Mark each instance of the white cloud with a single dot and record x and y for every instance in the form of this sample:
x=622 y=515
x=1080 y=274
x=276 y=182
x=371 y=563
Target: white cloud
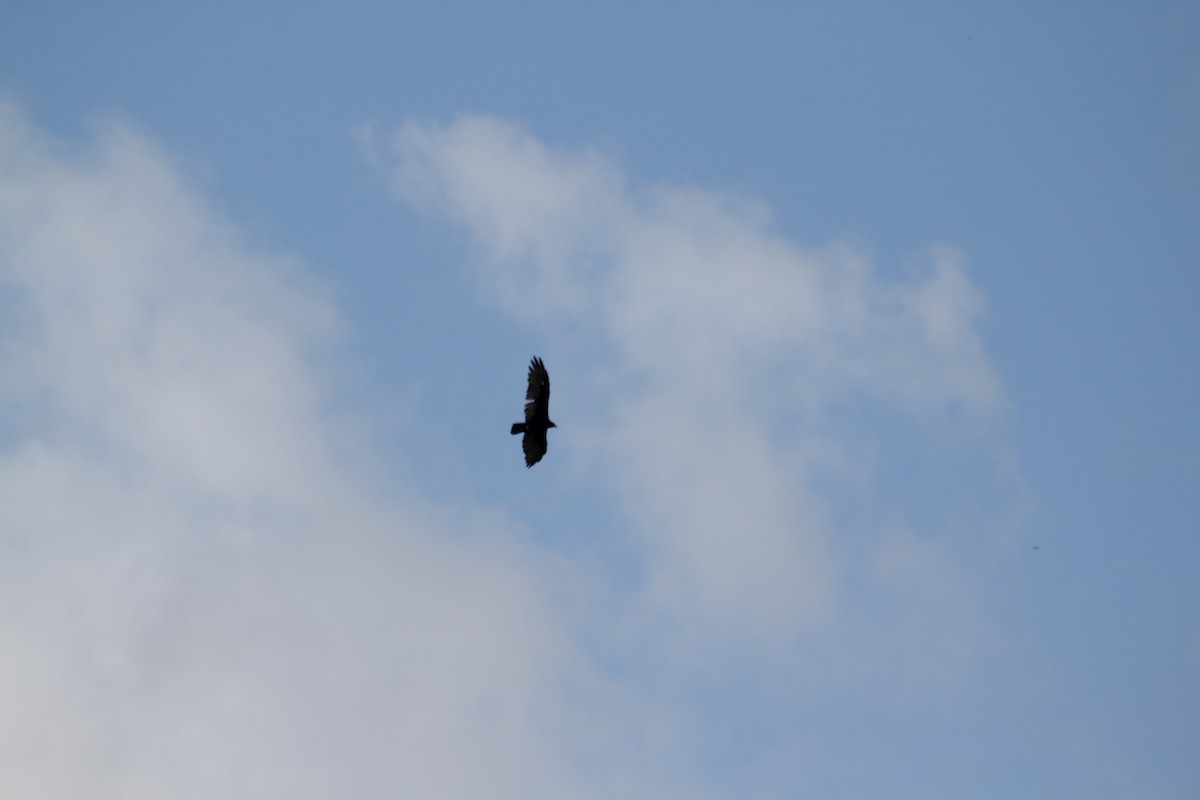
x=198 y=598
x=734 y=351
x=502 y=179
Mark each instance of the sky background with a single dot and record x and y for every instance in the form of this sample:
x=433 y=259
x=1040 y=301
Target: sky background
x=872 y=330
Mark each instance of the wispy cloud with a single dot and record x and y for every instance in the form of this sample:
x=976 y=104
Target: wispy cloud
x=197 y=596
x=728 y=355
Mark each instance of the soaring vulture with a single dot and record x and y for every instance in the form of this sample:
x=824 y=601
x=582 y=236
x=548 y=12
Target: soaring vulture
x=537 y=414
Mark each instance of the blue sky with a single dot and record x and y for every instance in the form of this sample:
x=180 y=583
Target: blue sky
x=872 y=330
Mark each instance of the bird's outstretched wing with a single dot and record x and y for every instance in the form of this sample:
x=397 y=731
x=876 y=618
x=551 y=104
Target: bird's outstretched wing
x=537 y=396
x=534 y=444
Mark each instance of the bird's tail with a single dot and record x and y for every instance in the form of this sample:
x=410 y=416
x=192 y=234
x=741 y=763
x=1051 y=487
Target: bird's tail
x=518 y=427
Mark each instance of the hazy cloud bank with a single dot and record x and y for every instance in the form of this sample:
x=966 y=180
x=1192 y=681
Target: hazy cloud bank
x=197 y=598
x=727 y=356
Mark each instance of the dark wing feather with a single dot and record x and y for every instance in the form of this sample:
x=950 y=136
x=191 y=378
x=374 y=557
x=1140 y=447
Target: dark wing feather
x=534 y=445
x=537 y=396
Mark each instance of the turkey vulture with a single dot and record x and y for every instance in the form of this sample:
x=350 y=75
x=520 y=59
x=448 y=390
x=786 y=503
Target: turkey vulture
x=537 y=414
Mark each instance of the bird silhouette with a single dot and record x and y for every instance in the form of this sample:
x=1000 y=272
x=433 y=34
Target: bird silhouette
x=537 y=414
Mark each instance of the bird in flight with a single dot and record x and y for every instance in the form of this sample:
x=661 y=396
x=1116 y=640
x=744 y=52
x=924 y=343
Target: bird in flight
x=537 y=414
